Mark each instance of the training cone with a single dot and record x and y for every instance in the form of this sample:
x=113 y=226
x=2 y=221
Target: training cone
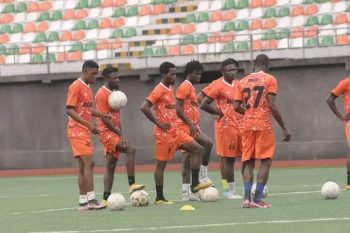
x=187 y=207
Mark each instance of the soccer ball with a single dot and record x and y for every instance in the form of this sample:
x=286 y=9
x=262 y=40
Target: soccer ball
x=210 y=194
x=116 y=201
x=330 y=190
x=139 y=198
x=117 y=100
x=264 y=194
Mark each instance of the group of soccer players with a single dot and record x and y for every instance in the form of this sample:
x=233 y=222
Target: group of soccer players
x=242 y=114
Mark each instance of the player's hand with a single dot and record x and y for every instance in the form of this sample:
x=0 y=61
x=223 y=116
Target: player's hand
x=287 y=135
x=93 y=129
x=194 y=131
x=164 y=126
x=125 y=143
x=346 y=117
x=107 y=115
x=215 y=116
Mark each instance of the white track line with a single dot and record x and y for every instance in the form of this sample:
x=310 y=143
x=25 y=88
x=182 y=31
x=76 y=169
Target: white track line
x=204 y=225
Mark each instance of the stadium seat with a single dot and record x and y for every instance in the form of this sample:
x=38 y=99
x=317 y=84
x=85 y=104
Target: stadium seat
x=148 y=52
x=215 y=37
x=228 y=15
x=69 y=14
x=341 y=39
x=283 y=33
x=242 y=25
x=66 y=36
x=120 y=2
x=161 y=52
x=269 y=3
x=283 y=12
x=297 y=10
x=189 y=18
x=327 y=41
x=311 y=31
x=132 y=11
x=227 y=37
x=189 y=28
x=256 y=3
x=215 y=16
x=270 y=23
x=228 y=47
x=187 y=50
x=341 y=18
x=119 y=22
x=145 y=10
x=242 y=46
x=119 y=12
x=80 y=25
x=188 y=39
x=53 y=36
x=82 y=4
x=45 y=6
x=229 y=4
x=312 y=20
x=6 y=28
x=256 y=24
x=269 y=13
x=40 y=37
x=75 y=56
x=311 y=9
x=56 y=15
x=312 y=42
x=118 y=33
x=229 y=26
x=38 y=58
x=326 y=19
x=242 y=4
x=82 y=14
x=130 y=32
x=158 y=9
x=201 y=38
x=297 y=32
x=90 y=45
x=9 y=8
x=269 y=34
x=257 y=45
x=106 y=23
x=33 y=6
x=21 y=7
x=95 y=4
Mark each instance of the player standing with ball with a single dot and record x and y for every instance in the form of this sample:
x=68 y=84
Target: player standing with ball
x=111 y=136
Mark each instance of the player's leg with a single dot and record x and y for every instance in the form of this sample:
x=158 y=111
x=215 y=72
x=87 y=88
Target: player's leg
x=248 y=175
x=347 y=187
x=230 y=177
x=108 y=177
x=223 y=177
x=261 y=180
x=159 y=181
x=83 y=201
x=186 y=178
x=207 y=145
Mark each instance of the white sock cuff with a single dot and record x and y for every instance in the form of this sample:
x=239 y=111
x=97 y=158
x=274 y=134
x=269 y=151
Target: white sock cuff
x=91 y=195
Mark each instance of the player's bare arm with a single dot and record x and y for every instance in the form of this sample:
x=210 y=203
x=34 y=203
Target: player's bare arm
x=209 y=108
x=237 y=104
x=75 y=116
x=111 y=126
x=331 y=103
x=180 y=113
x=271 y=98
x=100 y=114
x=146 y=109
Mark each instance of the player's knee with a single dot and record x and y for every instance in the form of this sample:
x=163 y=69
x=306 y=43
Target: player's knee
x=198 y=149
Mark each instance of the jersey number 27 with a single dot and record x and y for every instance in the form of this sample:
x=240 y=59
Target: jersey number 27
x=248 y=93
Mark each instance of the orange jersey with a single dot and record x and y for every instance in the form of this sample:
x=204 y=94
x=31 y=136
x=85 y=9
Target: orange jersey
x=187 y=93
x=343 y=88
x=254 y=89
x=224 y=93
x=80 y=97
x=206 y=89
x=102 y=105
x=164 y=106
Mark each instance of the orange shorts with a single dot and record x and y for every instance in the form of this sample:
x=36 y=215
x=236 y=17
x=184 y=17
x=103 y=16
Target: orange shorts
x=229 y=141
x=165 y=151
x=81 y=146
x=110 y=141
x=258 y=144
x=216 y=137
x=184 y=128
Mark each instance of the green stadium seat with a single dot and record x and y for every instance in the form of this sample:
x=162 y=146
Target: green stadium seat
x=90 y=45
x=161 y=52
x=6 y=28
x=169 y=1
x=201 y=38
x=21 y=7
x=242 y=46
x=95 y=3
x=119 y=12
x=312 y=20
x=228 y=47
x=52 y=57
x=308 y=1
x=229 y=4
x=3 y=50
x=17 y=28
x=269 y=35
x=40 y=37
x=312 y=42
x=56 y=15
x=283 y=33
x=348 y=9
x=9 y=8
x=77 y=46
x=118 y=33
x=130 y=32
x=82 y=4
x=326 y=19
x=80 y=25
x=188 y=39
x=155 y=2
x=242 y=25
x=327 y=41
x=203 y=17
x=54 y=36
x=93 y=24
x=229 y=26
x=269 y=13
x=132 y=11
x=189 y=18
x=147 y=52
x=44 y=16
x=242 y=4
x=14 y=49
x=283 y=12
x=321 y=1
x=38 y=58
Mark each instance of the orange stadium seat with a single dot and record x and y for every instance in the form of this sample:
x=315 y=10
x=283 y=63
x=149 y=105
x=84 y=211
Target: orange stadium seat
x=33 y=6
x=66 y=36
x=189 y=28
x=116 y=44
x=215 y=16
x=78 y=36
x=4 y=38
x=74 y=56
x=29 y=27
x=269 y=3
x=118 y=22
x=257 y=45
x=341 y=18
x=107 y=3
x=2 y=59
x=120 y=2
x=61 y=57
x=343 y=39
x=215 y=37
x=81 y=14
x=270 y=23
x=25 y=49
x=38 y=48
x=69 y=14
x=311 y=9
x=187 y=49
x=270 y=44
x=158 y=9
x=229 y=15
x=42 y=27
x=106 y=23
x=145 y=10
x=311 y=31
x=256 y=24
x=174 y=50
x=297 y=32
x=103 y=44
x=45 y=6
x=6 y=18
x=227 y=37
x=256 y=3
x=175 y=30
x=297 y=10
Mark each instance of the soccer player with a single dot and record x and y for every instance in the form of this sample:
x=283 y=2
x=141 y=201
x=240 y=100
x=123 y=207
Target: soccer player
x=168 y=137
x=228 y=136
x=111 y=136
x=343 y=89
x=258 y=93
x=79 y=130
x=187 y=110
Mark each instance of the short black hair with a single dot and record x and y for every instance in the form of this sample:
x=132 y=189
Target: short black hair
x=89 y=64
x=193 y=66
x=165 y=66
x=229 y=61
x=261 y=60
x=106 y=71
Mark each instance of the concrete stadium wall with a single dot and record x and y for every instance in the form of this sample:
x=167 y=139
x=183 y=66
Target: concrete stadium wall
x=33 y=117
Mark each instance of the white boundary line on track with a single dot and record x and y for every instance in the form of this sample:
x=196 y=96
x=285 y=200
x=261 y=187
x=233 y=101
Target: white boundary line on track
x=204 y=225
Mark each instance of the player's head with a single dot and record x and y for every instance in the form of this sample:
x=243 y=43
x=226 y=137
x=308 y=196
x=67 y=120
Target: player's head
x=229 y=68
x=111 y=77
x=262 y=62
x=167 y=71
x=193 y=71
x=89 y=71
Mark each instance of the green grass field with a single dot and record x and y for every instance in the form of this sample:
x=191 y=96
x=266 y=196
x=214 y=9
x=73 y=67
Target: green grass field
x=49 y=204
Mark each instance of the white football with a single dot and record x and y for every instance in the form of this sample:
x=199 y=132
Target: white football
x=117 y=100
x=330 y=190
x=116 y=201
x=264 y=192
x=210 y=194
x=139 y=198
